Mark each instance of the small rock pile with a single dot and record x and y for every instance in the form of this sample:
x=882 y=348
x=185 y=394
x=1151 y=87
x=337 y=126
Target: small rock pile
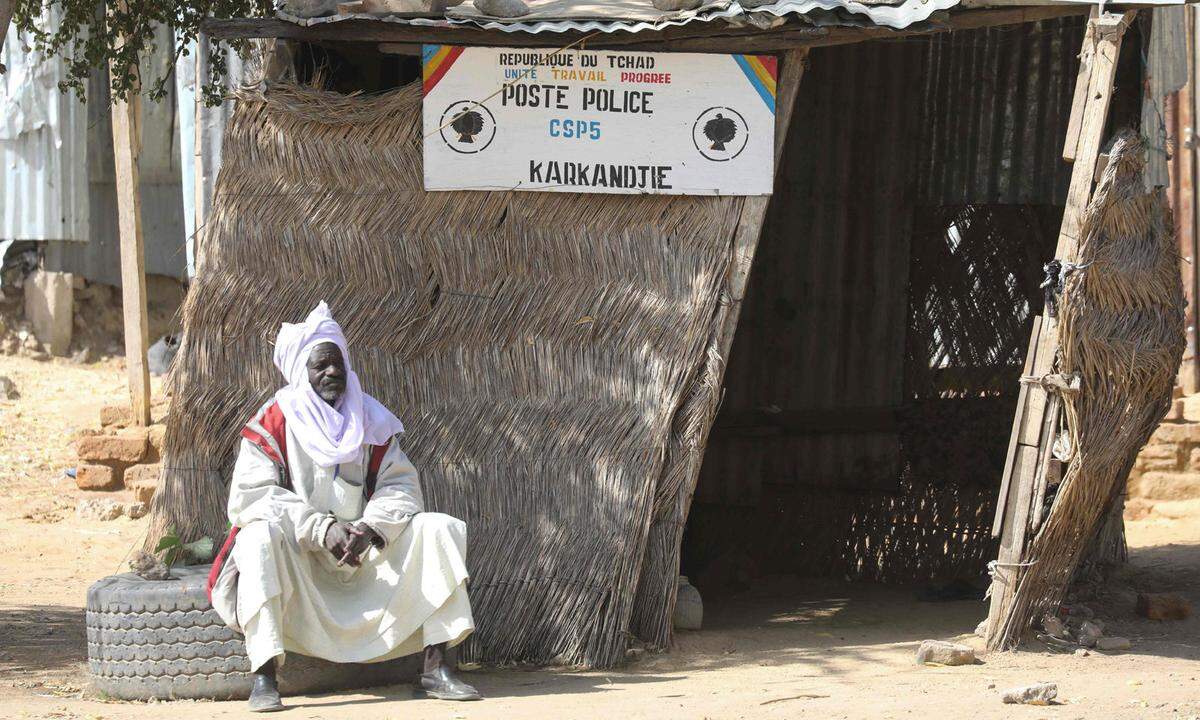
x=120 y=455
x=103 y=510
x=1076 y=628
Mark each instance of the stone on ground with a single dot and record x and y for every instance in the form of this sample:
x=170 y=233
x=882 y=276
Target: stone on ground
x=1113 y=644
x=8 y=388
x=1036 y=694
x=1163 y=606
x=1054 y=626
x=97 y=477
x=99 y=509
x=136 y=510
x=149 y=567
x=1090 y=633
x=945 y=653
x=49 y=305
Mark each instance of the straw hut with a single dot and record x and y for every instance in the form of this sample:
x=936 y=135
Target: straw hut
x=611 y=389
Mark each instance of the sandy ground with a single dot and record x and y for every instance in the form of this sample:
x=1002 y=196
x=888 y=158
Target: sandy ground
x=800 y=649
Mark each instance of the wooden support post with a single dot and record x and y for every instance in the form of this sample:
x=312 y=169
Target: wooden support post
x=126 y=143
x=745 y=242
x=754 y=209
x=1026 y=454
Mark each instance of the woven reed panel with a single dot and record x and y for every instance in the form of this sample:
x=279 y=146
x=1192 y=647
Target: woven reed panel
x=535 y=345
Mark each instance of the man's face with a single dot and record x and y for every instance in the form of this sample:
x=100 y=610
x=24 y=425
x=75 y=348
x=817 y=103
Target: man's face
x=327 y=372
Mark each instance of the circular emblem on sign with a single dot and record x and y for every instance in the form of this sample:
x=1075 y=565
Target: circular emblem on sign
x=720 y=133
x=467 y=127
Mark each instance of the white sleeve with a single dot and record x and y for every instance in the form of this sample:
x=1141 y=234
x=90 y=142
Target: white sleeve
x=256 y=494
x=397 y=495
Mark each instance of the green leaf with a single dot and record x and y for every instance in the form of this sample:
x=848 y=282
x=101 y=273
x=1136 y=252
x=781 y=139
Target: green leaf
x=201 y=549
x=168 y=541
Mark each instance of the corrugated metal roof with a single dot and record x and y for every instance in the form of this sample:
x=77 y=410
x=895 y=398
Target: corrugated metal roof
x=558 y=16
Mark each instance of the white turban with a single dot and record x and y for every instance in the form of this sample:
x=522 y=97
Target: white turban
x=330 y=435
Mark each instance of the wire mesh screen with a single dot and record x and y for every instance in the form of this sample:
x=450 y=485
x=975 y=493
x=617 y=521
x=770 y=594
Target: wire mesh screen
x=973 y=291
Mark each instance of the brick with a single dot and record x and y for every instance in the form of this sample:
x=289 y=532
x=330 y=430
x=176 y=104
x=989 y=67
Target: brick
x=1176 y=433
x=158 y=437
x=97 y=477
x=1176 y=413
x=1167 y=486
x=1138 y=509
x=143 y=473
x=115 y=416
x=143 y=492
x=1163 y=606
x=1159 y=451
x=143 y=480
x=142 y=433
x=1158 y=464
x=111 y=449
x=1191 y=408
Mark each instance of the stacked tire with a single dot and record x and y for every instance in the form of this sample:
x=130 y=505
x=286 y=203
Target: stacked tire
x=162 y=639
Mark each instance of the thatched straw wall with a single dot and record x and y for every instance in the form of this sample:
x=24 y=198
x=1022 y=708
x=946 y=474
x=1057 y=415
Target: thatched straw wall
x=536 y=345
x=1122 y=330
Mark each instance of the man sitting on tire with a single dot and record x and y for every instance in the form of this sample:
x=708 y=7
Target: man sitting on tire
x=331 y=553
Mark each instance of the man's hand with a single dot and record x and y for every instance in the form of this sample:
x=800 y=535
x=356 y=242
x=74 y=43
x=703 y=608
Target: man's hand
x=349 y=541
x=363 y=537
x=338 y=539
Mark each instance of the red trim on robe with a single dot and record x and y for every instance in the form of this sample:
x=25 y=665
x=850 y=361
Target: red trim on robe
x=271 y=419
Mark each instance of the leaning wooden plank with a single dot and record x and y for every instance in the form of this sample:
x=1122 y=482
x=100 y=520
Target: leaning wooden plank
x=1012 y=540
x=1108 y=32
x=133 y=263
x=1010 y=456
x=1045 y=454
x=1099 y=95
x=1075 y=124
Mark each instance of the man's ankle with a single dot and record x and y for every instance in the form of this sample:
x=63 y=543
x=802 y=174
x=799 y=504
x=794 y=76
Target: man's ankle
x=435 y=657
x=267 y=668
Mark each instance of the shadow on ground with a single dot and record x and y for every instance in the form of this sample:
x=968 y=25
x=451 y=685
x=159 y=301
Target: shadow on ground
x=41 y=638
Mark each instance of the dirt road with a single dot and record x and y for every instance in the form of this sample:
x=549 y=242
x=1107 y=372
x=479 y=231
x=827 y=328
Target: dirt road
x=795 y=649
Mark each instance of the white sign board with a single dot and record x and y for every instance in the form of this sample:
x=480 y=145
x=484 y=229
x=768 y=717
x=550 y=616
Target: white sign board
x=598 y=121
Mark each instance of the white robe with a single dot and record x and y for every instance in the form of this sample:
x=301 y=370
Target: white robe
x=284 y=590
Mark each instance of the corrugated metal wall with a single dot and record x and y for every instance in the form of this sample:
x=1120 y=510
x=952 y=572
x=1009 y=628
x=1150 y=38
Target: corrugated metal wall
x=992 y=105
x=57 y=184
x=807 y=446
x=820 y=342
x=99 y=259
x=43 y=134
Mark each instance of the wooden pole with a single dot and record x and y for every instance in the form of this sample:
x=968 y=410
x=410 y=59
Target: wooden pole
x=6 y=13
x=126 y=143
x=1104 y=34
